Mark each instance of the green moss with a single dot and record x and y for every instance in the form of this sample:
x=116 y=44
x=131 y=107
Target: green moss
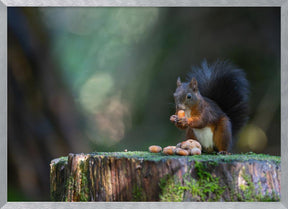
x=205 y=187
x=69 y=186
x=145 y=155
x=251 y=194
x=84 y=193
x=248 y=189
x=63 y=158
x=57 y=175
x=204 y=157
x=137 y=193
x=171 y=189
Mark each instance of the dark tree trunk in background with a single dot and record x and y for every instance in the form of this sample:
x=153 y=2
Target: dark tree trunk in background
x=147 y=177
x=42 y=119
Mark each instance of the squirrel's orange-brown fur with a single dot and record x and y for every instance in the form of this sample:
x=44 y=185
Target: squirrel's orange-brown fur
x=220 y=112
x=220 y=129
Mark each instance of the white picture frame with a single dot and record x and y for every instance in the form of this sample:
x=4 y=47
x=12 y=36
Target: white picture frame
x=144 y=3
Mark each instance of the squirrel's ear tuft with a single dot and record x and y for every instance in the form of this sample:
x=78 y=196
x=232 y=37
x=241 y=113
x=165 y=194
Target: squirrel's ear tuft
x=194 y=85
x=178 y=82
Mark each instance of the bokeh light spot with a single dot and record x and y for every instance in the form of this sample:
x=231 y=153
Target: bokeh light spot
x=252 y=138
x=94 y=91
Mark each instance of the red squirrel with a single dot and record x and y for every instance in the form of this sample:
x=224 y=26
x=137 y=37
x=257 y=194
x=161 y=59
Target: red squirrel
x=215 y=102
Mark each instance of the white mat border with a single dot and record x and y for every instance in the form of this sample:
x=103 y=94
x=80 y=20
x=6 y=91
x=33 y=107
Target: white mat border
x=144 y=3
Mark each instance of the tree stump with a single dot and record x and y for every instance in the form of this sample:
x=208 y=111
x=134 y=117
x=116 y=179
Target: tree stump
x=144 y=176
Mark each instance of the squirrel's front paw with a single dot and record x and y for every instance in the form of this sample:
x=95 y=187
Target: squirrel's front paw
x=173 y=118
x=182 y=122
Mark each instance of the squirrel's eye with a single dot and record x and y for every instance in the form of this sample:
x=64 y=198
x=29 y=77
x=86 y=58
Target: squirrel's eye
x=189 y=96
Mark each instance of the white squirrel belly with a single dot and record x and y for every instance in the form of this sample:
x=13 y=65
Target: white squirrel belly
x=204 y=136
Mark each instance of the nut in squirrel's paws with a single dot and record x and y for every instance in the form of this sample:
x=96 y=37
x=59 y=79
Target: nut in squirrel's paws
x=175 y=118
x=181 y=119
x=181 y=114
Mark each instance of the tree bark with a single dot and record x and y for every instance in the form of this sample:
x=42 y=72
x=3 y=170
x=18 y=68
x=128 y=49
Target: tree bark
x=142 y=176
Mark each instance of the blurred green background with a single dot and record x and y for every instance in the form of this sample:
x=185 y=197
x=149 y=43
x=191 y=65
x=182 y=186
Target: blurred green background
x=101 y=79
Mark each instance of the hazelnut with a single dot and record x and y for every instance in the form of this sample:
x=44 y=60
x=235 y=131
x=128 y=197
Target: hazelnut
x=196 y=144
x=180 y=151
x=190 y=144
x=155 y=149
x=186 y=145
x=181 y=114
x=170 y=150
x=195 y=151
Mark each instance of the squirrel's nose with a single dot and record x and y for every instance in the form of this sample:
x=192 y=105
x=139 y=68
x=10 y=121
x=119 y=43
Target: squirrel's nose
x=181 y=107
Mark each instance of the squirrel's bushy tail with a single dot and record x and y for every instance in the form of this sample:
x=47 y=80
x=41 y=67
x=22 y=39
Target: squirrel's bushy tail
x=226 y=85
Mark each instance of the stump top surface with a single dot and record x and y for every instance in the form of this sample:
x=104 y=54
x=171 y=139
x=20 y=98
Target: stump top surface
x=144 y=155
x=144 y=176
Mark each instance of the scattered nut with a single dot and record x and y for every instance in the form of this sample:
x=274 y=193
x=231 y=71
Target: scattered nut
x=178 y=145
x=155 y=149
x=181 y=114
x=196 y=144
x=186 y=145
x=180 y=151
x=170 y=150
x=190 y=144
x=195 y=151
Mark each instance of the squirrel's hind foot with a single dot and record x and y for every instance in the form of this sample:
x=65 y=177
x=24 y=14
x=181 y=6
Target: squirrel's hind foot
x=224 y=153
